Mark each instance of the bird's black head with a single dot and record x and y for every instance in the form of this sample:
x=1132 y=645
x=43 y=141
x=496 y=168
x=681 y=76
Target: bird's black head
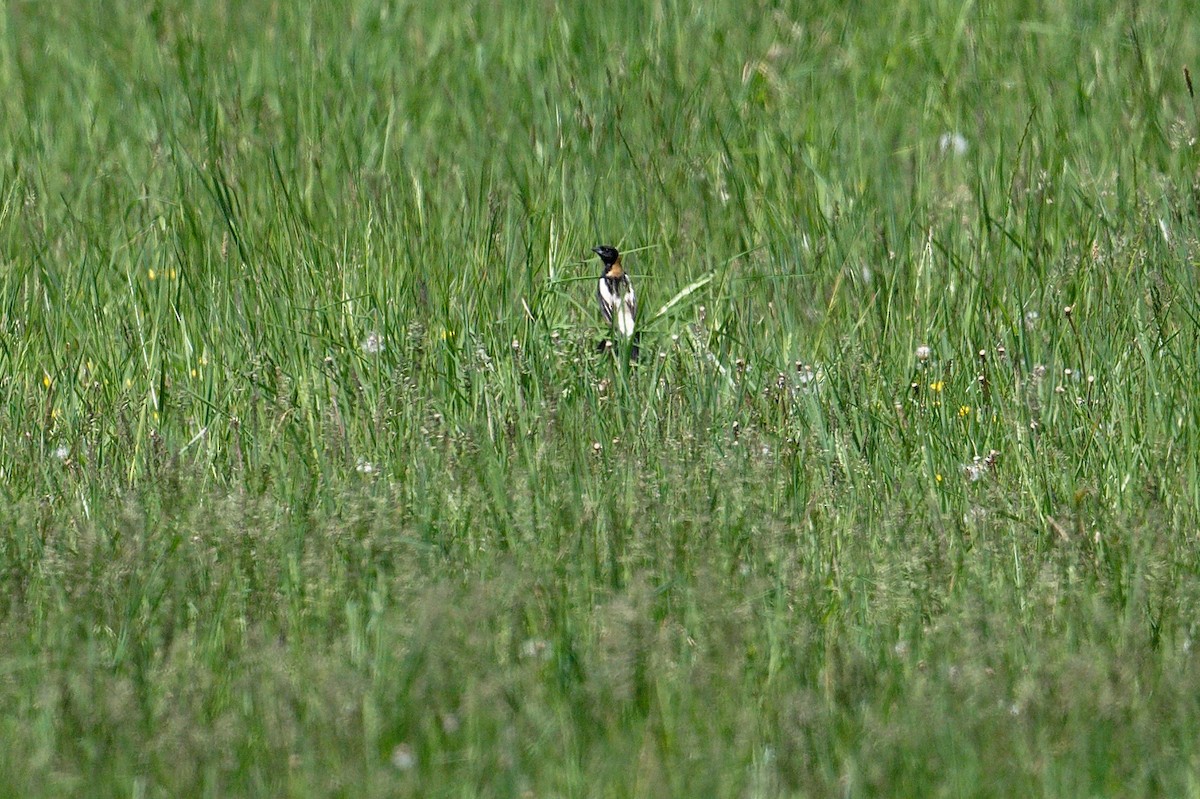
x=608 y=255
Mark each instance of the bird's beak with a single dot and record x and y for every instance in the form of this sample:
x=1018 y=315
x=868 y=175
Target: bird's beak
x=596 y=250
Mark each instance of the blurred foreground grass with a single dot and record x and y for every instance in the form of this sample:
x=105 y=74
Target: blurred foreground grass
x=313 y=485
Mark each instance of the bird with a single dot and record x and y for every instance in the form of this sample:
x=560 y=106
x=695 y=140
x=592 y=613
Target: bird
x=614 y=291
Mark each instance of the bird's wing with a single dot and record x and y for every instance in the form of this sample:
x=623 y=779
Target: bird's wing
x=607 y=300
x=627 y=312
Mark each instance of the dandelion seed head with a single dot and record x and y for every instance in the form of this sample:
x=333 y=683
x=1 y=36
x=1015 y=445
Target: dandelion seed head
x=923 y=353
x=954 y=143
x=538 y=648
x=403 y=758
x=372 y=344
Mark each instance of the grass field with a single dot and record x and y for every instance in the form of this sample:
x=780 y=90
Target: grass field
x=313 y=484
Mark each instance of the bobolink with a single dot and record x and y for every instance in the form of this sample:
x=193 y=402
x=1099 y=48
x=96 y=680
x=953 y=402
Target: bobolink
x=618 y=303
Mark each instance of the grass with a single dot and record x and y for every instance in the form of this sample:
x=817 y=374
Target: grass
x=314 y=485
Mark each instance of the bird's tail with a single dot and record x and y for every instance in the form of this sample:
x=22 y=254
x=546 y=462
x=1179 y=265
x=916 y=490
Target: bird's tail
x=614 y=345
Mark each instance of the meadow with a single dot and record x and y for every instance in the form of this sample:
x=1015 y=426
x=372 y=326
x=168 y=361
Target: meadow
x=312 y=482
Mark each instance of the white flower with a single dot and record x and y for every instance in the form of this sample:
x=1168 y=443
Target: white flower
x=980 y=465
x=809 y=376
x=923 y=353
x=364 y=466
x=62 y=451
